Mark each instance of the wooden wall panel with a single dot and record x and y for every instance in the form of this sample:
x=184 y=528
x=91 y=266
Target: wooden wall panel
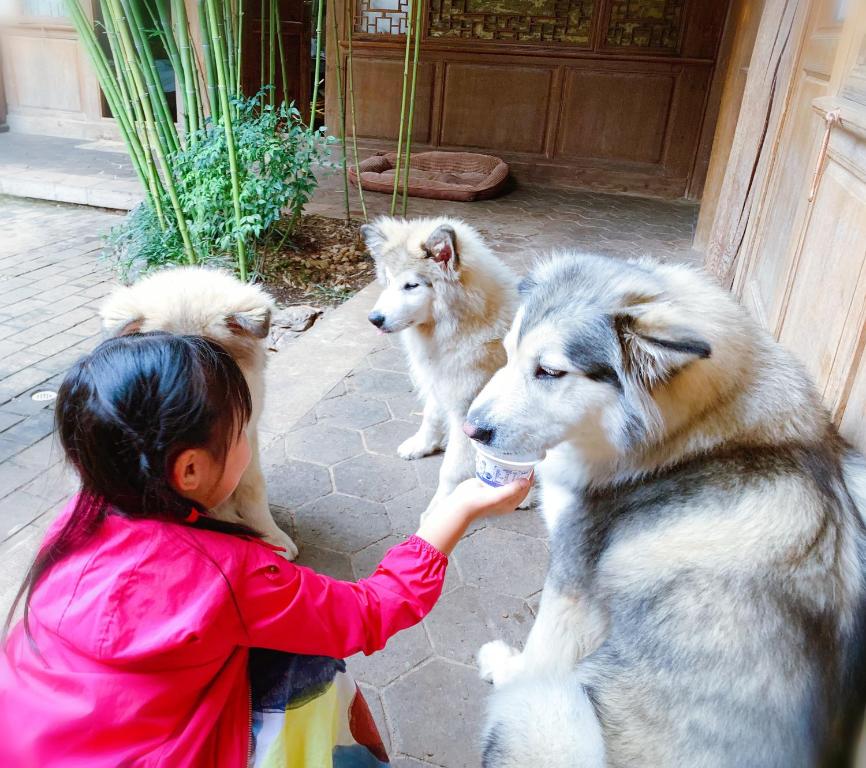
x=43 y=73
x=501 y=108
x=378 y=83
x=592 y=124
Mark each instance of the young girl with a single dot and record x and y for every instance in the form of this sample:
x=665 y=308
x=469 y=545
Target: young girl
x=140 y=610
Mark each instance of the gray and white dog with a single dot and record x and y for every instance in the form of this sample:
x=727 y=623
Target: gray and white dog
x=704 y=605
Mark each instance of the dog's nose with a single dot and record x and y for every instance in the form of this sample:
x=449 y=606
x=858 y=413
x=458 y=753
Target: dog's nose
x=377 y=318
x=478 y=432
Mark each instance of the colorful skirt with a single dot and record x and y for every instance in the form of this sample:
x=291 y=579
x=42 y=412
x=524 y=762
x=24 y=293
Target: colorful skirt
x=308 y=712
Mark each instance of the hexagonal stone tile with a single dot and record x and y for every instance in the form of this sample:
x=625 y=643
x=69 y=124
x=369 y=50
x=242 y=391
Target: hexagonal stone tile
x=306 y=420
x=384 y=438
x=334 y=564
x=323 y=443
x=404 y=651
x=293 y=483
x=436 y=713
x=285 y=520
x=405 y=511
x=379 y=384
x=503 y=561
x=406 y=407
x=526 y=521
x=390 y=359
x=365 y=561
x=353 y=411
x=342 y=523
x=427 y=469
x=466 y=618
x=374 y=477
x=338 y=389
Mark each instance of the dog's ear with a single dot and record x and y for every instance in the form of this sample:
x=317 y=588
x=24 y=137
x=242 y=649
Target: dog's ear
x=252 y=322
x=441 y=246
x=655 y=345
x=120 y=315
x=374 y=239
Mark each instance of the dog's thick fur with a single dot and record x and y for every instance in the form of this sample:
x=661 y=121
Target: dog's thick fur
x=452 y=301
x=211 y=303
x=708 y=546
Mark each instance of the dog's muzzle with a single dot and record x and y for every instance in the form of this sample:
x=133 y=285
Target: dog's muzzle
x=377 y=318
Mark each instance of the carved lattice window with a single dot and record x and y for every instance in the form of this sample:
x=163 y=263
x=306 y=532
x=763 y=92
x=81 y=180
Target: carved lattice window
x=537 y=21
x=381 y=17
x=645 y=24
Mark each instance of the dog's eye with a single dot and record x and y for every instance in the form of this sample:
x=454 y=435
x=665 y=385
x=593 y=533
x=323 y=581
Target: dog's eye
x=410 y=286
x=548 y=373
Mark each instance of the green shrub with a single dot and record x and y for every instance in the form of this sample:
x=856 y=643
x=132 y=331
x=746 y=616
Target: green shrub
x=277 y=156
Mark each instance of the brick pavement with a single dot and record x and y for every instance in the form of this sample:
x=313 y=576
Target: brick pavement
x=334 y=479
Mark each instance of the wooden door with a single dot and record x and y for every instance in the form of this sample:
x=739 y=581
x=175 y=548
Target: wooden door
x=295 y=32
x=804 y=276
x=762 y=283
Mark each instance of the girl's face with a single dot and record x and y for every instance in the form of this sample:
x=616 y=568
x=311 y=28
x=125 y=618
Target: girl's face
x=200 y=477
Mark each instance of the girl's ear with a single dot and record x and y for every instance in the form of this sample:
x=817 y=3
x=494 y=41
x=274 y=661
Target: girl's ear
x=188 y=472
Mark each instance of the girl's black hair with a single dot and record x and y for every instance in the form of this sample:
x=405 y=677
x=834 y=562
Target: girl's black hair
x=124 y=414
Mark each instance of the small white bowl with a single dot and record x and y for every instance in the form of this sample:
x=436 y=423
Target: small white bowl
x=497 y=470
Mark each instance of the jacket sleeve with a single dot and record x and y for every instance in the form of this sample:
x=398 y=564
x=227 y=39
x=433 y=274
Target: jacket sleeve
x=290 y=608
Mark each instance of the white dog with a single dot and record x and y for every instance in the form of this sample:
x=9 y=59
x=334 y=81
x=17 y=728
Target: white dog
x=211 y=303
x=453 y=301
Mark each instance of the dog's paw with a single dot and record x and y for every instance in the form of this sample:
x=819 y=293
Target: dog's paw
x=281 y=539
x=498 y=662
x=415 y=447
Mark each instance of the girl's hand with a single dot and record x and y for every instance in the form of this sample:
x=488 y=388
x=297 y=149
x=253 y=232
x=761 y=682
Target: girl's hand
x=446 y=524
x=477 y=499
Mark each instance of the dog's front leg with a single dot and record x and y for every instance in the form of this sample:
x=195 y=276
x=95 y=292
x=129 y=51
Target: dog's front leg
x=249 y=505
x=430 y=436
x=457 y=464
x=568 y=627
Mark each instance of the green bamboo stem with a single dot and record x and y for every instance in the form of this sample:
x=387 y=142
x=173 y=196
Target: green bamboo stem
x=272 y=50
x=230 y=139
x=227 y=14
x=409 y=11
x=165 y=124
x=282 y=54
x=130 y=119
x=314 y=100
x=238 y=55
x=208 y=55
x=187 y=71
x=410 y=124
x=262 y=43
x=111 y=89
x=342 y=135
x=350 y=85
x=150 y=122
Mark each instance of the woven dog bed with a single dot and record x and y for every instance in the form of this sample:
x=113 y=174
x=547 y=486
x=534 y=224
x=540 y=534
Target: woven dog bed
x=459 y=176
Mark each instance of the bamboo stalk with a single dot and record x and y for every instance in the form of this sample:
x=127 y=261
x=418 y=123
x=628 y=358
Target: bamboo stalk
x=111 y=88
x=208 y=56
x=150 y=122
x=227 y=14
x=272 y=52
x=130 y=114
x=262 y=42
x=315 y=98
x=409 y=11
x=282 y=54
x=165 y=124
x=238 y=56
x=410 y=124
x=339 y=58
x=350 y=85
x=230 y=139
x=190 y=108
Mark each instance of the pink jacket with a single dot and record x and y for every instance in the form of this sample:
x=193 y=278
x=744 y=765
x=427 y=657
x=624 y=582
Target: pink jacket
x=144 y=636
